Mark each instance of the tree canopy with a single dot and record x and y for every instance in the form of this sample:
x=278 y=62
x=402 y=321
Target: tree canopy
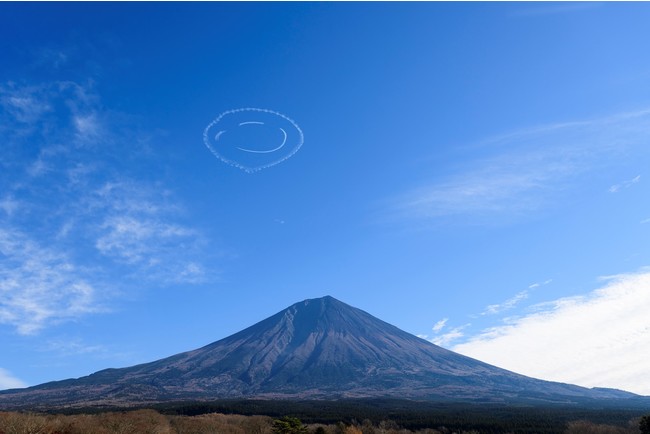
x=644 y=424
x=288 y=425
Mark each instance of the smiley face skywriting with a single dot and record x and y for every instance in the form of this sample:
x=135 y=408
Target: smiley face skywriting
x=253 y=139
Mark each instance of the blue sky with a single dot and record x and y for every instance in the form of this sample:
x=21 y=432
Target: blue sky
x=476 y=174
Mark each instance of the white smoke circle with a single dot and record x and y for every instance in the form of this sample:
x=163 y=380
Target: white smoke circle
x=252 y=139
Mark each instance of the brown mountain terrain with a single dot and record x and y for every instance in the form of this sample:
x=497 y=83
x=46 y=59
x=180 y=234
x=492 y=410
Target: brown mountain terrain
x=315 y=349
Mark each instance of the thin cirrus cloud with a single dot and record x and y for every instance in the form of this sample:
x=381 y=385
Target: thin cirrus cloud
x=512 y=302
x=446 y=337
x=538 y=284
x=73 y=217
x=625 y=184
x=443 y=335
x=8 y=381
x=597 y=340
x=449 y=336
x=494 y=309
x=50 y=111
x=128 y=238
x=141 y=227
x=39 y=285
x=439 y=325
x=9 y=205
x=25 y=105
x=527 y=168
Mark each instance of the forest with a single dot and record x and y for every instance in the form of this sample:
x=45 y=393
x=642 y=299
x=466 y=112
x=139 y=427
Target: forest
x=334 y=418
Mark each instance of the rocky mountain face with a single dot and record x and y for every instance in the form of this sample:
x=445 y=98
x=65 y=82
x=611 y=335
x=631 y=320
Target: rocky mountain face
x=316 y=349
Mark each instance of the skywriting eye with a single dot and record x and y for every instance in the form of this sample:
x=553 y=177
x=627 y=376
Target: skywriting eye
x=252 y=139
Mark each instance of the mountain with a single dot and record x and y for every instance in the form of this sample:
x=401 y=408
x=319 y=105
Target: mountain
x=316 y=349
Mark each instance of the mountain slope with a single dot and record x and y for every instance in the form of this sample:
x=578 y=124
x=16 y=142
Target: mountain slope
x=319 y=348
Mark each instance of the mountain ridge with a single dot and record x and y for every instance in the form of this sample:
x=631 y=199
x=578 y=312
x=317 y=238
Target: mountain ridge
x=315 y=349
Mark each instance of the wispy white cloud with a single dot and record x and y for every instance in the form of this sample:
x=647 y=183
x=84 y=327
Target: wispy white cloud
x=41 y=283
x=87 y=117
x=62 y=112
x=458 y=333
x=24 y=104
x=79 y=173
x=73 y=347
x=40 y=286
x=526 y=169
x=190 y=272
x=73 y=216
x=599 y=339
x=87 y=126
x=510 y=303
x=645 y=221
x=142 y=227
x=484 y=191
x=447 y=338
x=135 y=240
x=539 y=284
x=8 y=381
x=437 y=327
x=9 y=205
x=51 y=58
x=625 y=184
x=66 y=349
